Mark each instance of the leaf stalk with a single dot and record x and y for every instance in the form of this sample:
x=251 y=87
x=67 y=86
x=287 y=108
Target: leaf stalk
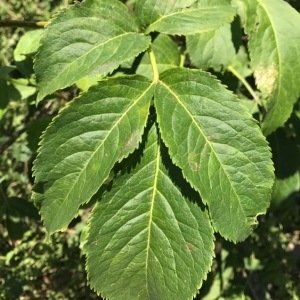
x=245 y=83
x=153 y=64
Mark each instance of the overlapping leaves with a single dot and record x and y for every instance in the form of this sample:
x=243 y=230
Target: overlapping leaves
x=145 y=240
x=166 y=53
x=221 y=151
x=84 y=142
x=148 y=11
x=147 y=237
x=193 y=20
x=204 y=48
x=91 y=39
x=275 y=52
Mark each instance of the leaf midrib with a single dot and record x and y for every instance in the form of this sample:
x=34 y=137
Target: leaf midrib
x=206 y=140
x=157 y=164
x=184 y=11
x=97 y=149
x=58 y=78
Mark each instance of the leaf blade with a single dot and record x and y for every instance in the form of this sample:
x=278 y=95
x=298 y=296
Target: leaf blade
x=141 y=246
x=148 y=11
x=219 y=147
x=83 y=143
x=204 y=48
x=92 y=39
x=193 y=20
x=275 y=53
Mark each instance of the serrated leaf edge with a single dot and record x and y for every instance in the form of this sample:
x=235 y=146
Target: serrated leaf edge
x=186 y=10
x=97 y=149
x=270 y=167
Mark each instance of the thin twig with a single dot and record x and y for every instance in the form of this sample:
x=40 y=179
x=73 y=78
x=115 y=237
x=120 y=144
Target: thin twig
x=22 y=23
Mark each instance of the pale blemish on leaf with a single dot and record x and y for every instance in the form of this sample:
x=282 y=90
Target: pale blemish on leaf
x=193 y=159
x=189 y=246
x=266 y=78
x=131 y=143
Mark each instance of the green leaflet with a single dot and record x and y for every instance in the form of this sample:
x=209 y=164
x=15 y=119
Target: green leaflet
x=193 y=20
x=166 y=53
x=148 y=11
x=26 y=47
x=145 y=241
x=218 y=145
x=213 y=49
x=91 y=39
x=83 y=143
x=286 y=189
x=274 y=35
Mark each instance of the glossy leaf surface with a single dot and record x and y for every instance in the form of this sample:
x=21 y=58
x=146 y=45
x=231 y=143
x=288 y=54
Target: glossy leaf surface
x=222 y=153
x=275 y=53
x=83 y=143
x=92 y=38
x=193 y=20
x=148 y=147
x=146 y=241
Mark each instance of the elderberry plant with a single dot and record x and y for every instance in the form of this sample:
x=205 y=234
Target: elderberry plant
x=170 y=155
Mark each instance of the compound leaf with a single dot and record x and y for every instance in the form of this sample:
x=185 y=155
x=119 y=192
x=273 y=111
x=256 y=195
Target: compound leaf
x=145 y=241
x=275 y=53
x=218 y=145
x=84 y=141
x=92 y=38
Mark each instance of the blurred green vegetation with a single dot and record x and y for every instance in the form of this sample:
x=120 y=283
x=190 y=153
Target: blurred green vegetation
x=32 y=265
x=35 y=266
x=28 y=10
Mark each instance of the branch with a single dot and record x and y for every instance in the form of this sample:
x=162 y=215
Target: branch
x=22 y=23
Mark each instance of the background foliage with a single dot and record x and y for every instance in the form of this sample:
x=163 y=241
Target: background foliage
x=31 y=267
x=265 y=266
